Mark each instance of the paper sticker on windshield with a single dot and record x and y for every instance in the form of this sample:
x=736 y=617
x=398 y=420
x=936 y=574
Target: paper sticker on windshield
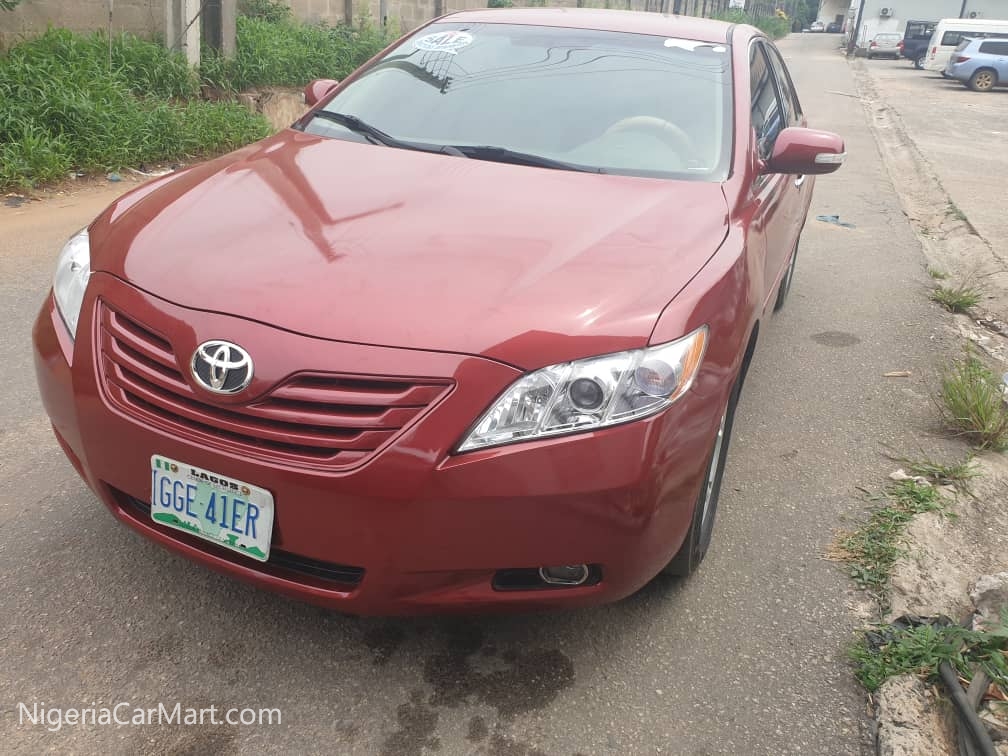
x=447 y=41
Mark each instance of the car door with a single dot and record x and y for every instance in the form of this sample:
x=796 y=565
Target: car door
x=998 y=50
x=777 y=196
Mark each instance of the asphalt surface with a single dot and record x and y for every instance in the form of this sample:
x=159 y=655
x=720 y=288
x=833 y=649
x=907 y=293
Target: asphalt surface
x=746 y=657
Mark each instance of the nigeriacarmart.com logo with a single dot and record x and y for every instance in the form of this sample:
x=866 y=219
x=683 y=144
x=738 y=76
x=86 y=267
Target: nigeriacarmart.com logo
x=124 y=713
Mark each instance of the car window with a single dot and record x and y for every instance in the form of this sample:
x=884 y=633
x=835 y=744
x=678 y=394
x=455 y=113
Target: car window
x=787 y=90
x=768 y=118
x=888 y=37
x=994 y=47
x=918 y=31
x=963 y=45
x=629 y=104
x=954 y=37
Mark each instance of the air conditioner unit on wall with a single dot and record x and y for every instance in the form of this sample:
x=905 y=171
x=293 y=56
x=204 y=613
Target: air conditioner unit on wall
x=975 y=14
x=885 y=12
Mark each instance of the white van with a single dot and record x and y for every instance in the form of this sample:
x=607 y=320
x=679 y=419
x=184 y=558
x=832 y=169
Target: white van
x=950 y=31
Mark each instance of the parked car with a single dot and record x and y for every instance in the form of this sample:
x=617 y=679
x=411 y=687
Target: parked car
x=949 y=32
x=980 y=64
x=884 y=44
x=419 y=352
x=914 y=45
x=834 y=28
x=817 y=26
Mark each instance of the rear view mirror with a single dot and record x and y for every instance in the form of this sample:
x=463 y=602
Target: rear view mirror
x=318 y=89
x=806 y=152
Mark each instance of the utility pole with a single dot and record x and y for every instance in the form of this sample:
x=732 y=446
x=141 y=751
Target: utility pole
x=852 y=44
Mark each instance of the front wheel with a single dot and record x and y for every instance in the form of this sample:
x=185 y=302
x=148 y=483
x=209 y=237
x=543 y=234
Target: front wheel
x=697 y=541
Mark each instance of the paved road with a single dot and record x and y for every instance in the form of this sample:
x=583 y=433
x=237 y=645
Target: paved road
x=960 y=133
x=745 y=658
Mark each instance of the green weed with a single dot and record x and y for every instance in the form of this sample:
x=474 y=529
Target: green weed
x=956 y=298
x=873 y=549
x=920 y=649
x=971 y=403
x=936 y=274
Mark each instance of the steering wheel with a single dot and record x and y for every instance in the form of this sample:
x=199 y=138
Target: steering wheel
x=668 y=132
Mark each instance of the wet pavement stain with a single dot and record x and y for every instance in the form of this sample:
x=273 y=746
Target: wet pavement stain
x=478 y=730
x=383 y=642
x=529 y=680
x=503 y=746
x=417 y=724
x=836 y=339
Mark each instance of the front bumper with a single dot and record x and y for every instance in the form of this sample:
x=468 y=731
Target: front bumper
x=422 y=530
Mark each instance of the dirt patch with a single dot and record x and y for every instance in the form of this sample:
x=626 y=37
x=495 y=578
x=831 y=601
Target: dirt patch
x=280 y=106
x=947 y=554
x=913 y=720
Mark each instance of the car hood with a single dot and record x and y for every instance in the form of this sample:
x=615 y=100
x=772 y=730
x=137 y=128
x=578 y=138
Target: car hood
x=377 y=245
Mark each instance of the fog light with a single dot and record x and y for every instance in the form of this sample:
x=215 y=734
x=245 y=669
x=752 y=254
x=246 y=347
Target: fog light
x=565 y=574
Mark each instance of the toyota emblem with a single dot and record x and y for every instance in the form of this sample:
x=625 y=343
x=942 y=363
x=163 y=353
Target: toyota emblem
x=221 y=367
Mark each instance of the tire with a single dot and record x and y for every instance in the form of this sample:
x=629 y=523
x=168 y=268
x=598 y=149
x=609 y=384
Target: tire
x=983 y=80
x=785 y=285
x=698 y=538
x=919 y=63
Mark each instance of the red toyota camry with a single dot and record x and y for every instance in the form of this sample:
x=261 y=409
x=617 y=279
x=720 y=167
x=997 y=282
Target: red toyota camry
x=469 y=335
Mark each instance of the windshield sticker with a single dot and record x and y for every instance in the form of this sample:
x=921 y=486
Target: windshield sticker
x=690 y=45
x=448 y=41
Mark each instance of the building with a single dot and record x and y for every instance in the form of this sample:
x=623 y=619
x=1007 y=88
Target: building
x=892 y=15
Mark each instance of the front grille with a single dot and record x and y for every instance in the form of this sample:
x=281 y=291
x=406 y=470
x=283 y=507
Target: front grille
x=343 y=574
x=316 y=419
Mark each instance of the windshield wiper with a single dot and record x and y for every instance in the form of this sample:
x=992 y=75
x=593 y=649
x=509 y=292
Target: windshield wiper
x=504 y=155
x=355 y=124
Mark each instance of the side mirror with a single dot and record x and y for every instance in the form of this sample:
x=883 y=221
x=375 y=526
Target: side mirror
x=806 y=152
x=318 y=89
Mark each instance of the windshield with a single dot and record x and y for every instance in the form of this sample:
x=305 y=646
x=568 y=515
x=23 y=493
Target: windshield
x=604 y=101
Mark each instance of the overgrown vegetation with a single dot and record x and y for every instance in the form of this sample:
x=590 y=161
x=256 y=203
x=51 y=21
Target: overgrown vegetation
x=958 y=298
x=873 y=549
x=920 y=649
x=65 y=108
x=971 y=403
x=280 y=51
x=775 y=26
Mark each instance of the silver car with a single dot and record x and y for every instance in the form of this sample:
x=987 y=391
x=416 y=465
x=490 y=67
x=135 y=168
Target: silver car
x=884 y=44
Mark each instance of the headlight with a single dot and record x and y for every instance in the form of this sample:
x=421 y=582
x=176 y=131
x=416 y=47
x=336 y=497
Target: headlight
x=589 y=394
x=72 y=272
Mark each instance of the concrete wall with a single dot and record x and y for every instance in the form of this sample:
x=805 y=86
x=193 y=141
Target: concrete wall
x=32 y=17
x=147 y=17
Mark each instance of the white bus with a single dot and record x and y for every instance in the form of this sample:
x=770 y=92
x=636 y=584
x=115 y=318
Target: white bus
x=950 y=31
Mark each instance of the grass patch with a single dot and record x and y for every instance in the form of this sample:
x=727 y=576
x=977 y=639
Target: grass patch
x=873 y=549
x=286 y=52
x=955 y=473
x=971 y=403
x=65 y=109
x=920 y=649
x=936 y=274
x=956 y=298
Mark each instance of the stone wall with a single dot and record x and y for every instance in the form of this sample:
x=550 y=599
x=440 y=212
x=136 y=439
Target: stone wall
x=31 y=17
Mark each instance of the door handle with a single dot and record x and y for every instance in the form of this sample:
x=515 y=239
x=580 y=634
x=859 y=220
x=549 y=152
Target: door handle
x=799 y=181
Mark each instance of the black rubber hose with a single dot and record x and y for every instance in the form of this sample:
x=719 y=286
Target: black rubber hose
x=967 y=716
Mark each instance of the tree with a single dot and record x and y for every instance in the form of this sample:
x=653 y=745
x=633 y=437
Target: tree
x=8 y=4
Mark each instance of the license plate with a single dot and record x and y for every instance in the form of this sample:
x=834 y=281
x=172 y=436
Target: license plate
x=231 y=513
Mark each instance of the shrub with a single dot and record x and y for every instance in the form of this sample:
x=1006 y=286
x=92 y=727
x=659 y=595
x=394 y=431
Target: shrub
x=64 y=108
x=267 y=10
x=290 y=53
